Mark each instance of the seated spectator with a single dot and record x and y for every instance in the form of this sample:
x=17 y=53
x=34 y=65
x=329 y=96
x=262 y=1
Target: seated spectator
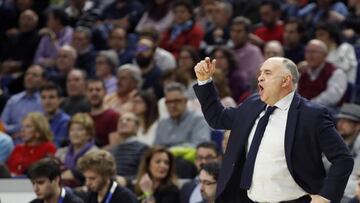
x=208 y=177
x=6 y=147
x=37 y=136
x=77 y=9
x=81 y=41
x=188 y=58
x=105 y=119
x=272 y=49
x=81 y=134
x=128 y=151
x=105 y=66
x=99 y=169
x=321 y=82
x=76 y=88
x=340 y=54
x=118 y=41
x=183 y=127
x=156 y=181
x=184 y=31
x=129 y=83
x=292 y=40
x=56 y=34
x=24 y=102
x=46 y=180
x=206 y=152
x=145 y=107
x=58 y=119
x=158 y=15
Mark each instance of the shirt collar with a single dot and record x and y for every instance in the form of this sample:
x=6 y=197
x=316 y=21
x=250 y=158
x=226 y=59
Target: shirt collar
x=284 y=103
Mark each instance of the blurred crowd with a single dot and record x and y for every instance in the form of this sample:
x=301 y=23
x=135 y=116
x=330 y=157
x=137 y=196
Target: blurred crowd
x=83 y=79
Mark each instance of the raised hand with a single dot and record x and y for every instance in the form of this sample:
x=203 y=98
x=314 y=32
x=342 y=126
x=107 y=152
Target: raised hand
x=205 y=69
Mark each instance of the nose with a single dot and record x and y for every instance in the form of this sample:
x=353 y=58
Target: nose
x=260 y=78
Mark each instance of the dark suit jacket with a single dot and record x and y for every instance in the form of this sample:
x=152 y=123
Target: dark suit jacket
x=309 y=133
x=187 y=190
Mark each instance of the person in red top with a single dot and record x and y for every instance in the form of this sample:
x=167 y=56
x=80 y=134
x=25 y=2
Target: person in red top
x=184 y=30
x=272 y=28
x=37 y=136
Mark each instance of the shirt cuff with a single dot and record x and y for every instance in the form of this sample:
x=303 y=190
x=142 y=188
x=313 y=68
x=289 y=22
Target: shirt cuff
x=203 y=82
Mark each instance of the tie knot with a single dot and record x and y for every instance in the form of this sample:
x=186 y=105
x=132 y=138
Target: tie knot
x=270 y=110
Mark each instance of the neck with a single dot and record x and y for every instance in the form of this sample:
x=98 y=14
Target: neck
x=78 y=147
x=350 y=139
x=147 y=69
x=33 y=142
x=50 y=115
x=54 y=198
x=97 y=110
x=102 y=193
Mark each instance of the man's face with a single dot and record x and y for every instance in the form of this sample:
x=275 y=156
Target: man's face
x=102 y=67
x=207 y=186
x=65 y=60
x=127 y=124
x=50 y=101
x=126 y=83
x=176 y=103
x=291 y=35
x=80 y=41
x=75 y=83
x=314 y=55
x=94 y=181
x=204 y=156
x=238 y=34
x=145 y=52
x=33 y=78
x=43 y=187
x=347 y=127
x=181 y=14
x=268 y=15
x=28 y=21
x=271 y=81
x=96 y=93
x=117 y=39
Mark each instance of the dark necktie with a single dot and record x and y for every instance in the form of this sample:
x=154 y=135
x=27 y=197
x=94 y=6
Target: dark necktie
x=248 y=169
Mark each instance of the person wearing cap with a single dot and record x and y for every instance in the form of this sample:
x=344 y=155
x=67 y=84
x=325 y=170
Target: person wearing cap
x=105 y=65
x=348 y=125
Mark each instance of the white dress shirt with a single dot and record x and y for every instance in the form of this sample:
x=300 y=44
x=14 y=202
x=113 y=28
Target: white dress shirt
x=272 y=181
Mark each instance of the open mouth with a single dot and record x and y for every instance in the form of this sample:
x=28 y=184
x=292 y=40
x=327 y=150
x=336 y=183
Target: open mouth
x=261 y=88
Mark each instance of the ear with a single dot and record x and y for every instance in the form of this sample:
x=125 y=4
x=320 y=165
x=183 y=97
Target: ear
x=286 y=81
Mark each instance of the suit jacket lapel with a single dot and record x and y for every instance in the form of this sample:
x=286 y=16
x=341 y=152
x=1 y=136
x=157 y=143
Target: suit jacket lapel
x=292 y=118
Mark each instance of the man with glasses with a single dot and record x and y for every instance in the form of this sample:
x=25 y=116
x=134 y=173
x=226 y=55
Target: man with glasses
x=206 y=152
x=208 y=176
x=183 y=127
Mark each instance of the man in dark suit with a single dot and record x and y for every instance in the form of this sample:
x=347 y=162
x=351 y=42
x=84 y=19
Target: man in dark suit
x=277 y=140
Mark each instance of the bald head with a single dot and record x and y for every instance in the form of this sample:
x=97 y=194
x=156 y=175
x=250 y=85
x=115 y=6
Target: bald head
x=28 y=20
x=315 y=53
x=273 y=48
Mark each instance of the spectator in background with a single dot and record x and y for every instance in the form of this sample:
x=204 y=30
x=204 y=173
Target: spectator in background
x=156 y=180
x=163 y=59
x=19 y=48
x=188 y=58
x=37 y=136
x=219 y=34
x=56 y=34
x=340 y=54
x=105 y=66
x=50 y=98
x=208 y=177
x=81 y=135
x=151 y=73
x=351 y=23
x=65 y=62
x=184 y=31
x=77 y=9
x=105 y=119
x=6 y=147
x=125 y=148
x=129 y=83
x=272 y=28
x=321 y=82
x=124 y=13
x=46 y=180
x=183 y=127
x=292 y=40
x=99 y=169
x=225 y=58
x=76 y=88
x=158 y=16
x=118 y=41
x=145 y=107
x=206 y=152
x=204 y=14
x=247 y=55
x=81 y=41
x=24 y=102
x=273 y=48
